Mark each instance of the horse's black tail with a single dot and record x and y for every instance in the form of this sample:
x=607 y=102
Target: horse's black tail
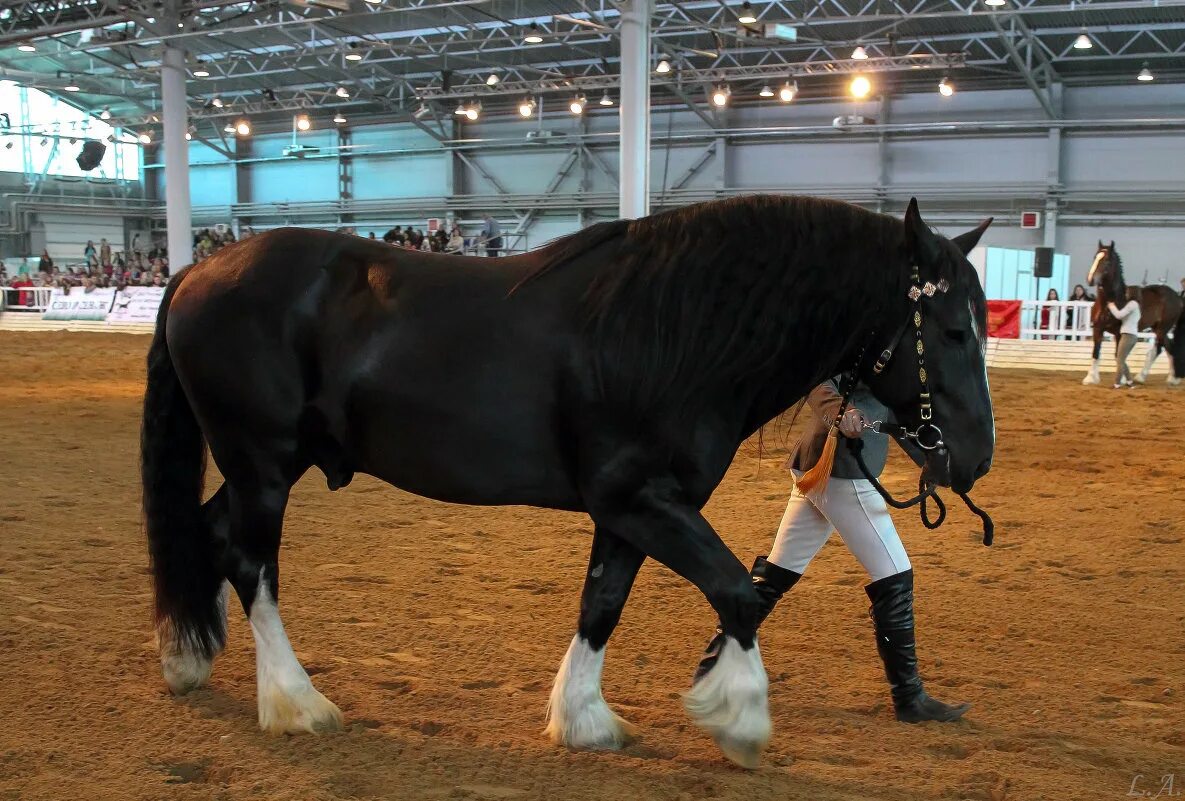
x=181 y=552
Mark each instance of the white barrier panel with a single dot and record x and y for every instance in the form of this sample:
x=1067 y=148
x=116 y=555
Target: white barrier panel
x=1038 y=354
x=79 y=304
x=135 y=304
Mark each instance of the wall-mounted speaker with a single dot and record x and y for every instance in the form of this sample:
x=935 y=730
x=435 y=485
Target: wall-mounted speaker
x=1043 y=263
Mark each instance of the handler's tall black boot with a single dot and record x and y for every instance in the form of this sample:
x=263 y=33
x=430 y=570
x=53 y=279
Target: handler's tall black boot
x=771 y=583
x=892 y=614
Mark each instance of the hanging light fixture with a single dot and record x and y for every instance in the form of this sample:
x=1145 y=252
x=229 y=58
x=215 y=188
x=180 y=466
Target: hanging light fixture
x=1083 y=41
x=720 y=95
x=859 y=54
x=788 y=91
x=354 y=53
x=766 y=91
x=747 y=17
x=342 y=92
x=994 y=3
x=860 y=86
x=27 y=47
x=216 y=102
x=200 y=71
x=473 y=111
x=945 y=87
x=534 y=35
x=105 y=114
x=72 y=87
x=664 y=66
x=492 y=80
x=605 y=99
x=339 y=118
x=145 y=138
x=526 y=107
x=1145 y=74
x=228 y=128
x=243 y=128
x=577 y=104
x=188 y=136
x=303 y=123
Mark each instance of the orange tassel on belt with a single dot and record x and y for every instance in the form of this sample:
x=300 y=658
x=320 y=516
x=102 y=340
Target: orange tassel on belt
x=814 y=481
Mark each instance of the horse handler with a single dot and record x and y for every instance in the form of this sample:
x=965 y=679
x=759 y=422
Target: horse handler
x=850 y=505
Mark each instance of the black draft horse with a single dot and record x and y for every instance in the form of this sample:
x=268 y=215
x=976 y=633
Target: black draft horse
x=1160 y=313
x=615 y=371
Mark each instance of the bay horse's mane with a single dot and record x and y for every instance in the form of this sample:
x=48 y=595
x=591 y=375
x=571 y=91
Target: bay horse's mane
x=704 y=292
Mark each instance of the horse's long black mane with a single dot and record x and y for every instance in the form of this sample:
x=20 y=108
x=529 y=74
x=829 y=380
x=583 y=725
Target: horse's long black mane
x=704 y=293
x=1118 y=286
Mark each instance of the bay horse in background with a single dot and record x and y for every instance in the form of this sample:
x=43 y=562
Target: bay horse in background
x=1160 y=312
x=615 y=371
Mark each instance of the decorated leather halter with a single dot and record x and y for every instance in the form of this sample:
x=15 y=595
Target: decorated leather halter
x=927 y=436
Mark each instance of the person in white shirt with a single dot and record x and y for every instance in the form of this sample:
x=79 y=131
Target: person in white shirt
x=1129 y=327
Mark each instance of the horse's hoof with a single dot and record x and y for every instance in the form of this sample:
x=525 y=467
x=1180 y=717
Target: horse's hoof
x=730 y=701
x=294 y=711
x=595 y=728
x=184 y=671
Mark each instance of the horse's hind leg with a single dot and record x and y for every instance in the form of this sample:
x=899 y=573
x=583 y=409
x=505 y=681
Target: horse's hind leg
x=1153 y=352
x=577 y=715
x=1092 y=377
x=287 y=700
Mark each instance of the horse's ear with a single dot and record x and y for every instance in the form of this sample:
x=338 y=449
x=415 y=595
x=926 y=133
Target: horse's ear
x=967 y=242
x=1100 y=244
x=919 y=240
x=1112 y=244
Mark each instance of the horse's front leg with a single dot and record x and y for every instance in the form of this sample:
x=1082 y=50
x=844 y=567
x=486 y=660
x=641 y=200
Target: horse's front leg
x=577 y=715
x=1092 y=377
x=730 y=701
x=1153 y=352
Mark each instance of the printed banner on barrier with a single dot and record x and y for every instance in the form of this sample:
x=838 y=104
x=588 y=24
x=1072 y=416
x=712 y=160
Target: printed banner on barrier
x=1003 y=319
x=79 y=305
x=135 y=304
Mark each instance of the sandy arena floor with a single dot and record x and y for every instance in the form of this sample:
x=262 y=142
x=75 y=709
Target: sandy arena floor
x=438 y=629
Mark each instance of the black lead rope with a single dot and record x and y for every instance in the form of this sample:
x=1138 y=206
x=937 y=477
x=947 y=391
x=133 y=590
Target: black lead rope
x=925 y=493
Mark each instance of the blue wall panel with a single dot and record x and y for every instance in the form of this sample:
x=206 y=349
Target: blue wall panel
x=1009 y=276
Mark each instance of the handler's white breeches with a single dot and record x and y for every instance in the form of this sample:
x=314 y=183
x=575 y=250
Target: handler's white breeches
x=851 y=507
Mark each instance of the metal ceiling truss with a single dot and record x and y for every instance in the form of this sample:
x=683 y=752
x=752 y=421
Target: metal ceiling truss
x=446 y=49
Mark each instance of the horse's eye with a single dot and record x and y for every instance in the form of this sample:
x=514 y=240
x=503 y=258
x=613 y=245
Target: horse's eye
x=956 y=334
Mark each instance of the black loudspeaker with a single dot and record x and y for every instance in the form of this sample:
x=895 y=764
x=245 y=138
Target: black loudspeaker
x=1043 y=263
x=91 y=155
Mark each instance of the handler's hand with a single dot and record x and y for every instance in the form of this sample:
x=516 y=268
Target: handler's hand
x=851 y=425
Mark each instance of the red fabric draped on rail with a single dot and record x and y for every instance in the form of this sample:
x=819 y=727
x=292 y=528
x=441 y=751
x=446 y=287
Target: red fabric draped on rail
x=1004 y=319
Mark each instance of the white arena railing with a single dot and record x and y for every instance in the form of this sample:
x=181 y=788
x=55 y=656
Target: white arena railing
x=1059 y=320
x=25 y=299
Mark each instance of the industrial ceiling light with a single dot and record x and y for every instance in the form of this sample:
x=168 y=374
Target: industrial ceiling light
x=788 y=91
x=145 y=138
x=474 y=110
x=720 y=95
x=460 y=110
x=945 y=87
x=526 y=107
x=1145 y=74
x=1083 y=42
x=216 y=102
x=339 y=118
x=994 y=3
x=342 y=92
x=27 y=47
x=200 y=71
x=860 y=86
x=353 y=54
x=860 y=54
x=534 y=35
x=766 y=91
x=228 y=128
x=492 y=79
x=44 y=141
x=664 y=66
x=577 y=104
x=105 y=114
x=605 y=99
x=72 y=87
x=375 y=2
x=188 y=136
x=243 y=128
x=303 y=123
x=747 y=16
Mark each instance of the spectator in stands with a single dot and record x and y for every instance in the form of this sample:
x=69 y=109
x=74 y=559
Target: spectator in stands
x=45 y=265
x=394 y=236
x=491 y=234
x=104 y=252
x=1079 y=293
x=1047 y=312
x=371 y=235
x=456 y=242
x=440 y=237
x=89 y=252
